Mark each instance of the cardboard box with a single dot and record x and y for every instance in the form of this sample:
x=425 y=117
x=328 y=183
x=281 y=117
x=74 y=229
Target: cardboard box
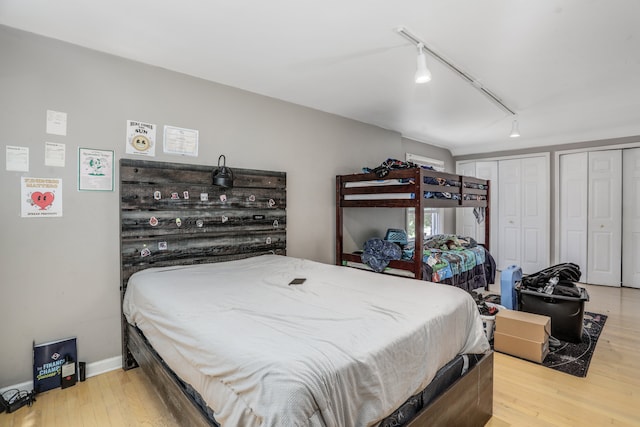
x=522 y=334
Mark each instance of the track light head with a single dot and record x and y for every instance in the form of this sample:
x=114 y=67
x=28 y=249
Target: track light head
x=515 y=131
x=423 y=75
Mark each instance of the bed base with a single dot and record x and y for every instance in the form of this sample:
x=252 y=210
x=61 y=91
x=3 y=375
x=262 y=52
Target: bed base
x=165 y=382
x=467 y=403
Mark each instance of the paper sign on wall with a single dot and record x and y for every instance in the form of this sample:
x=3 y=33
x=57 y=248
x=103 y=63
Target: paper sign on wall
x=141 y=138
x=95 y=170
x=17 y=158
x=180 y=141
x=54 y=154
x=56 y=123
x=41 y=197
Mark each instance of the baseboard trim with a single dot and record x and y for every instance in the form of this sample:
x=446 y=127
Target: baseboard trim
x=103 y=366
x=93 y=369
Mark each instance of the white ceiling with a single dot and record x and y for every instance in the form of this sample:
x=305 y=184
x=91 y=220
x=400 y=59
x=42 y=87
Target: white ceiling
x=570 y=69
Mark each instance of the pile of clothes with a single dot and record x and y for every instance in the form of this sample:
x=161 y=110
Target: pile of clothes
x=556 y=280
x=377 y=253
x=389 y=165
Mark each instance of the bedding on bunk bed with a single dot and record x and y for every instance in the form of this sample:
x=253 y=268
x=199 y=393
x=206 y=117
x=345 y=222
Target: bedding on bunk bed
x=447 y=258
x=457 y=261
x=343 y=348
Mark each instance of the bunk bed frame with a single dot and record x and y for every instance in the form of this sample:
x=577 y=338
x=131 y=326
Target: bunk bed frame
x=399 y=196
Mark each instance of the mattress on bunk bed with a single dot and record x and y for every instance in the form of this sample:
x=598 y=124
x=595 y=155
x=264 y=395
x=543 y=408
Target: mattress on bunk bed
x=343 y=348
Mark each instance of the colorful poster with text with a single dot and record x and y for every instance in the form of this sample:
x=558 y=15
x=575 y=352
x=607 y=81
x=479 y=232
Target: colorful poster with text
x=41 y=197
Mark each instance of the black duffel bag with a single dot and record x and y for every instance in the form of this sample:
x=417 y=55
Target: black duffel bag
x=567 y=272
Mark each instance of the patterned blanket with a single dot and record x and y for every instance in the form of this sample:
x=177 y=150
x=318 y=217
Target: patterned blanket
x=446 y=264
x=450 y=255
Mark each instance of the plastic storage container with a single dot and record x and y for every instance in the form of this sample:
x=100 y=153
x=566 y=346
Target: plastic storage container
x=566 y=312
x=489 y=322
x=508 y=278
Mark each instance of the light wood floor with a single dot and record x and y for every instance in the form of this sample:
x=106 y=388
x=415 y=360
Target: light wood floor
x=525 y=394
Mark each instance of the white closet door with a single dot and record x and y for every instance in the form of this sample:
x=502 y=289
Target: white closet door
x=466 y=224
x=631 y=218
x=509 y=204
x=605 y=213
x=573 y=209
x=535 y=214
x=489 y=170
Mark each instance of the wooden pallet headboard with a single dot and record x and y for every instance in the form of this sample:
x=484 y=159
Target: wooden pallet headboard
x=172 y=214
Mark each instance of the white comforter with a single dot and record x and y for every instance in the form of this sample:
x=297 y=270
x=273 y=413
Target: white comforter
x=345 y=348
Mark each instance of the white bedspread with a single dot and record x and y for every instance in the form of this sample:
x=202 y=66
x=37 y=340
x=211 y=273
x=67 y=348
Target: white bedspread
x=345 y=348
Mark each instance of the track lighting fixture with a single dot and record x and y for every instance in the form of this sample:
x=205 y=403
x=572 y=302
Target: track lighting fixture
x=423 y=75
x=515 y=131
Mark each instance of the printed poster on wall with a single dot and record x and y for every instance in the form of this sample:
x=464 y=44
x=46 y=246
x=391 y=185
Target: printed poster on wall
x=95 y=170
x=41 y=197
x=180 y=141
x=141 y=138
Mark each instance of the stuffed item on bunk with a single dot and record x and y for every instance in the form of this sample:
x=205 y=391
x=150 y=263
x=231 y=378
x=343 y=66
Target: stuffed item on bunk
x=377 y=253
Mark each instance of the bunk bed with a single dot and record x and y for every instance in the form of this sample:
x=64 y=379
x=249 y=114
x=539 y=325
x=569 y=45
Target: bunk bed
x=416 y=188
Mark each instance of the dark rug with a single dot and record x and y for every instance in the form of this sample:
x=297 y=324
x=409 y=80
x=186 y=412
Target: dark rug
x=574 y=358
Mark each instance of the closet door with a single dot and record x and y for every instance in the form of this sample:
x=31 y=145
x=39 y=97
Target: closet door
x=466 y=224
x=523 y=205
x=604 y=223
x=631 y=218
x=535 y=214
x=573 y=209
x=509 y=204
x=489 y=170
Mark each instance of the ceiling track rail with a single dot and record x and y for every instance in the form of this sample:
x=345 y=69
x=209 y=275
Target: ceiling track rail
x=465 y=76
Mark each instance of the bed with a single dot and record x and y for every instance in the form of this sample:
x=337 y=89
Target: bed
x=419 y=188
x=196 y=369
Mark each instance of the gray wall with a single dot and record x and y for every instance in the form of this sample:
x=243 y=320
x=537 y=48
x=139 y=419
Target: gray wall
x=60 y=276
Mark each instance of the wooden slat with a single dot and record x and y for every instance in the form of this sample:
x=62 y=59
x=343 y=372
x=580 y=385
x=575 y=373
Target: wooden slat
x=383 y=203
x=173 y=173
x=141 y=197
x=137 y=223
x=394 y=174
x=388 y=189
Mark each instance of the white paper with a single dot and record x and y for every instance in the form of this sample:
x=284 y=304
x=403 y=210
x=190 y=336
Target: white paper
x=141 y=138
x=41 y=197
x=17 y=158
x=56 y=123
x=54 y=154
x=180 y=141
x=95 y=170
